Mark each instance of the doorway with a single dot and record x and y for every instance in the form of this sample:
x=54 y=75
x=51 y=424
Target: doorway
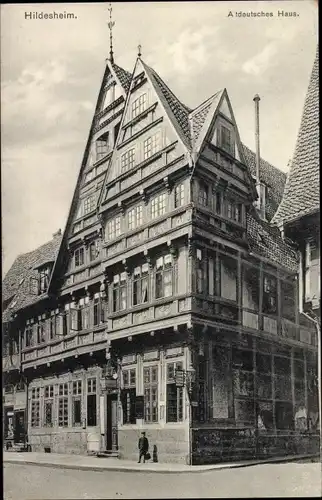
x=111 y=427
x=19 y=427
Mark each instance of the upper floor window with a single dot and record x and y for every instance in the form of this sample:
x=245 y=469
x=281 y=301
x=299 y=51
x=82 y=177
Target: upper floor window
x=203 y=194
x=218 y=203
x=312 y=273
x=135 y=217
x=179 y=196
x=226 y=141
x=102 y=146
x=44 y=279
x=270 y=295
x=234 y=211
x=41 y=332
x=79 y=257
x=151 y=145
x=29 y=336
x=89 y=204
x=158 y=205
x=164 y=277
x=140 y=284
x=201 y=276
x=114 y=228
x=119 y=292
x=127 y=160
x=94 y=250
x=139 y=105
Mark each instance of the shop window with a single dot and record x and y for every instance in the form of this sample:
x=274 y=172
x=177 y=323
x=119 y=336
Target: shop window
x=245 y=411
x=312 y=395
x=35 y=407
x=265 y=416
x=49 y=406
x=150 y=380
x=284 y=415
x=203 y=194
x=63 y=405
x=282 y=369
x=269 y=295
x=164 y=277
x=179 y=196
x=174 y=394
x=140 y=284
x=120 y=292
x=77 y=403
x=91 y=402
x=128 y=396
x=220 y=383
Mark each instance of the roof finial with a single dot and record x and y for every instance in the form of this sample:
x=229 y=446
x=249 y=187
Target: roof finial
x=139 y=50
x=110 y=25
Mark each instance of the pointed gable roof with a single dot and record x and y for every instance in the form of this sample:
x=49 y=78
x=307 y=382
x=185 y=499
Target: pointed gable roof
x=123 y=76
x=301 y=195
x=199 y=114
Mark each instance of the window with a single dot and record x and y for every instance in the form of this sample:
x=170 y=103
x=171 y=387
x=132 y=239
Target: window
x=84 y=313
x=139 y=105
x=140 y=284
x=94 y=250
x=250 y=287
x=150 y=380
x=151 y=145
x=63 y=405
x=238 y=212
x=114 y=228
x=179 y=196
x=218 y=203
x=288 y=300
x=269 y=295
x=98 y=310
x=226 y=140
x=174 y=394
x=79 y=257
x=163 y=277
x=203 y=194
x=77 y=403
x=75 y=319
x=35 y=407
x=135 y=217
x=127 y=160
x=128 y=396
x=29 y=336
x=243 y=383
x=43 y=280
x=49 y=406
x=91 y=402
x=89 y=204
x=116 y=131
x=119 y=292
x=102 y=146
x=41 y=333
x=312 y=272
x=229 y=210
x=201 y=278
x=53 y=326
x=159 y=205
x=228 y=277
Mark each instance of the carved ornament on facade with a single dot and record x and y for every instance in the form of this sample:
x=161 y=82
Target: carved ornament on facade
x=144 y=196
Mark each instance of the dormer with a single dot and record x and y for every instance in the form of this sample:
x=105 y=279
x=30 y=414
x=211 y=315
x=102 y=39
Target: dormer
x=39 y=284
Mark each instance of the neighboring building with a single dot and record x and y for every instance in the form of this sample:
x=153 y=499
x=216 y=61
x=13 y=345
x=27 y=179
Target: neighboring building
x=164 y=266
x=298 y=215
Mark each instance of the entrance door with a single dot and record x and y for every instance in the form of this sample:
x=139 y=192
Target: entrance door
x=111 y=431
x=19 y=429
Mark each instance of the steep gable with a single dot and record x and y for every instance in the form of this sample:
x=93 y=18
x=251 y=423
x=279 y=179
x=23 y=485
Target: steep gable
x=302 y=190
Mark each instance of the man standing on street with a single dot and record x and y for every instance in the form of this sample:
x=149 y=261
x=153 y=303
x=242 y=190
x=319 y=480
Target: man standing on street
x=143 y=447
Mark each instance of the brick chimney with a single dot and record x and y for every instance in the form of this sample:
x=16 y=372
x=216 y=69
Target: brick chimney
x=57 y=234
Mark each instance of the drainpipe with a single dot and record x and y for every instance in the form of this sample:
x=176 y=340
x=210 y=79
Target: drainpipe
x=318 y=331
x=259 y=202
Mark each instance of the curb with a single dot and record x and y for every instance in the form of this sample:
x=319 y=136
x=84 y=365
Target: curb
x=125 y=468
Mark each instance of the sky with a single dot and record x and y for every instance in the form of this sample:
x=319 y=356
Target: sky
x=51 y=71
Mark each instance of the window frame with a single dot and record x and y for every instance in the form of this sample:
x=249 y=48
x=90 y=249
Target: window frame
x=151 y=394
x=179 y=404
x=140 y=277
x=127 y=160
x=159 y=205
x=179 y=195
x=164 y=268
x=139 y=105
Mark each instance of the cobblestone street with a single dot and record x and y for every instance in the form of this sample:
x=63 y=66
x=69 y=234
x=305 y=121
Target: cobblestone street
x=29 y=482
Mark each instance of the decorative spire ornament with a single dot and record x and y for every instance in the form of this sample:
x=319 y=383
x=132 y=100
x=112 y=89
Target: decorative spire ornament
x=139 y=50
x=110 y=25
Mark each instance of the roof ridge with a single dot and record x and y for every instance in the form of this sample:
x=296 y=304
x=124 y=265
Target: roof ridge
x=203 y=103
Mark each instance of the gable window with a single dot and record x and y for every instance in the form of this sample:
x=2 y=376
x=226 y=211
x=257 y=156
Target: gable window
x=63 y=405
x=77 y=403
x=49 y=405
x=226 y=142
x=135 y=217
x=91 y=402
x=179 y=196
x=203 y=194
x=128 y=396
x=159 y=205
x=89 y=204
x=102 y=146
x=127 y=160
x=269 y=295
x=94 y=250
x=150 y=382
x=79 y=257
x=174 y=394
x=120 y=292
x=43 y=280
x=114 y=228
x=140 y=284
x=139 y=105
x=151 y=145
x=164 y=277
x=35 y=407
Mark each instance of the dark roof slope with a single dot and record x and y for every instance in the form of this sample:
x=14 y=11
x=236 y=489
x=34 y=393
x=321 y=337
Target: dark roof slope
x=16 y=283
x=302 y=195
x=200 y=113
x=271 y=176
x=124 y=76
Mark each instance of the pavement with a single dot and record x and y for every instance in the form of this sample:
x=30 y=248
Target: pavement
x=81 y=462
